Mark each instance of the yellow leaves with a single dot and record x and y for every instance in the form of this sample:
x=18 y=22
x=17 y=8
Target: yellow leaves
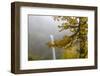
x=63 y=42
x=85 y=26
x=64 y=26
x=83 y=48
x=70 y=53
x=83 y=20
x=83 y=32
x=77 y=25
x=60 y=42
x=72 y=29
x=67 y=21
x=50 y=44
x=73 y=21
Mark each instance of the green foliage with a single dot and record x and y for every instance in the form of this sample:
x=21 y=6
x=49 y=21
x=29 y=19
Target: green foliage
x=79 y=27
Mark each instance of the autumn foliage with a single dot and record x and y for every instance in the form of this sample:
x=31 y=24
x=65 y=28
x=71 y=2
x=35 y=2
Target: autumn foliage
x=75 y=45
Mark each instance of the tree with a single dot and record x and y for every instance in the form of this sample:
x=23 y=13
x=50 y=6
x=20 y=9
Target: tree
x=79 y=27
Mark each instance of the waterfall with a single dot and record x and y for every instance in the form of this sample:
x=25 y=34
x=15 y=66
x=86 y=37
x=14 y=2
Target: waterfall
x=53 y=48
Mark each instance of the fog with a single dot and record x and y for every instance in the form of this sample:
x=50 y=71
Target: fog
x=39 y=30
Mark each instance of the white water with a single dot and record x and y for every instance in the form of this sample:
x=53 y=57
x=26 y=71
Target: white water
x=53 y=48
